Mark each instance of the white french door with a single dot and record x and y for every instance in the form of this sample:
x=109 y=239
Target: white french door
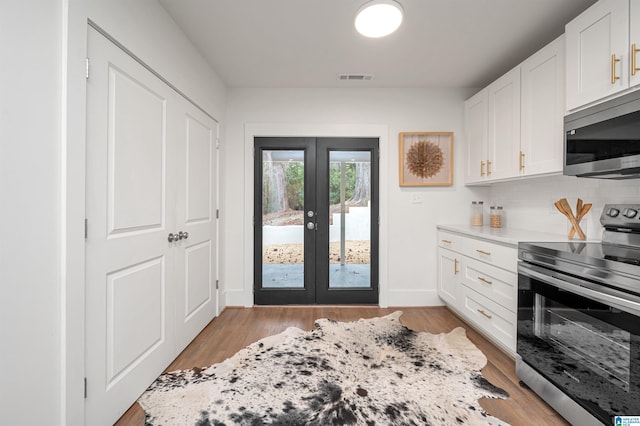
x=151 y=228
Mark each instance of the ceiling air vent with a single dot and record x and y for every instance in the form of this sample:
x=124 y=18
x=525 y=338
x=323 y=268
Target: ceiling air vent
x=355 y=77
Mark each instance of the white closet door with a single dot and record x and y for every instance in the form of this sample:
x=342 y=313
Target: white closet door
x=195 y=264
x=130 y=211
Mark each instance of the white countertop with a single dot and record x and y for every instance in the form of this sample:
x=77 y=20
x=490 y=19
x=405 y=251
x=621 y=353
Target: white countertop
x=508 y=236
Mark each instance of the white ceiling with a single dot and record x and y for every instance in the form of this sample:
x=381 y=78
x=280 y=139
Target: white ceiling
x=306 y=43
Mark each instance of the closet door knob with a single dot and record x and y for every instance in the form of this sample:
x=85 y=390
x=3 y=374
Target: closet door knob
x=183 y=235
x=173 y=237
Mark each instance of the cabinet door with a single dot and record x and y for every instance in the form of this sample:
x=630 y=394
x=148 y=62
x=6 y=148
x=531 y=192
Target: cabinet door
x=448 y=276
x=634 y=42
x=504 y=126
x=475 y=113
x=541 y=143
x=592 y=39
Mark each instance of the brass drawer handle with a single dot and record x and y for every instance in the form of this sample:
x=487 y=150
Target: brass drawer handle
x=482 y=168
x=634 y=59
x=485 y=314
x=614 y=61
x=484 y=252
x=446 y=241
x=455 y=266
x=521 y=161
x=488 y=168
x=484 y=280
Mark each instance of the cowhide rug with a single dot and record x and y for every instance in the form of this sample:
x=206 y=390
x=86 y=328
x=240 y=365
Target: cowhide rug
x=369 y=372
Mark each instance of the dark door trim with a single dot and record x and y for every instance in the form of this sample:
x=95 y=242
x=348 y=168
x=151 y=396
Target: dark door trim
x=316 y=270
x=340 y=296
x=276 y=296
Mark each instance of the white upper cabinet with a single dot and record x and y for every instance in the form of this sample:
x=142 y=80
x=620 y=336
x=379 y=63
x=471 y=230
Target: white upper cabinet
x=475 y=114
x=514 y=126
x=503 y=145
x=598 y=51
x=634 y=38
x=542 y=110
x=492 y=120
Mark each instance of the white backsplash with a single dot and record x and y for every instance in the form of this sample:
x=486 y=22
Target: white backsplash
x=528 y=203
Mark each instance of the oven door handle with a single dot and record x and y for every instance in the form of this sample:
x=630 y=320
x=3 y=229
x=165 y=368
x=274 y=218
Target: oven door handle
x=599 y=293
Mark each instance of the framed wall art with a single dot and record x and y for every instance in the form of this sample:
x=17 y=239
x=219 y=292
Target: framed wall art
x=426 y=158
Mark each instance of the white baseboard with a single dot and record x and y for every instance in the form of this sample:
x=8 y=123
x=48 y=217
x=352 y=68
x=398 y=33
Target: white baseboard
x=234 y=298
x=392 y=298
x=413 y=298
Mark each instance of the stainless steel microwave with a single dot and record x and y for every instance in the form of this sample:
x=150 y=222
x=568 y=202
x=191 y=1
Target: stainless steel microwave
x=603 y=141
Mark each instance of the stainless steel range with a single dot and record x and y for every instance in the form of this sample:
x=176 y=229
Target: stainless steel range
x=578 y=337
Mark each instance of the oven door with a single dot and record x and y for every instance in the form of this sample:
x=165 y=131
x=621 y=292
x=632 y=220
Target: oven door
x=582 y=337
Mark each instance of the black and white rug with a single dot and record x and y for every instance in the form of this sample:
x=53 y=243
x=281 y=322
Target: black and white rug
x=368 y=372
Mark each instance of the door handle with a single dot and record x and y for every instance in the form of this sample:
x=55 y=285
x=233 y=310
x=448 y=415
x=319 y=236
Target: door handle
x=311 y=226
x=172 y=238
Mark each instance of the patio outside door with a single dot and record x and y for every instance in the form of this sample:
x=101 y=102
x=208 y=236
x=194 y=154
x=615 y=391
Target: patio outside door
x=316 y=221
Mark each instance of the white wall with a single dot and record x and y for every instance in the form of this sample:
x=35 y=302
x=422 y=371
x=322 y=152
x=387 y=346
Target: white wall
x=409 y=251
x=30 y=149
x=145 y=28
x=42 y=132
x=529 y=203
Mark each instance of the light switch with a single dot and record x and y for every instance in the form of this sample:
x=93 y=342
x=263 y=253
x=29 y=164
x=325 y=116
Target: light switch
x=416 y=198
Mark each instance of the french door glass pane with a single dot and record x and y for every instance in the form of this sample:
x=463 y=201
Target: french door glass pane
x=282 y=219
x=349 y=219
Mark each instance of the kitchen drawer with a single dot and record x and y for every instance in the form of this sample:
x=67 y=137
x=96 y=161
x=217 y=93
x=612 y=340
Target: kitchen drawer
x=504 y=257
x=450 y=241
x=496 y=284
x=496 y=321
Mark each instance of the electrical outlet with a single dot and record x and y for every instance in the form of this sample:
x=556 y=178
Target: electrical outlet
x=416 y=198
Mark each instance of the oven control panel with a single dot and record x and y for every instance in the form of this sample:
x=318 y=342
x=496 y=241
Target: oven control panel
x=621 y=216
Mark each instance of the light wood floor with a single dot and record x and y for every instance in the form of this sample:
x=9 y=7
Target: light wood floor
x=236 y=328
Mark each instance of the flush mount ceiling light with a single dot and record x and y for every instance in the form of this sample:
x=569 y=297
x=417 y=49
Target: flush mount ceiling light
x=378 y=18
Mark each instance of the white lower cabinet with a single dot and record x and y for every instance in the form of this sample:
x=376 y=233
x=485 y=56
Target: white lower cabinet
x=496 y=321
x=448 y=273
x=478 y=280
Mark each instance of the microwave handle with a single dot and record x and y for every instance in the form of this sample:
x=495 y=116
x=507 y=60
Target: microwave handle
x=617 y=299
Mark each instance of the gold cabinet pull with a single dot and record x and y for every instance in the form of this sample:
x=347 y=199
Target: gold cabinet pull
x=488 y=168
x=614 y=61
x=486 y=315
x=482 y=168
x=634 y=59
x=521 y=161
x=446 y=241
x=484 y=252
x=455 y=267
x=484 y=280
